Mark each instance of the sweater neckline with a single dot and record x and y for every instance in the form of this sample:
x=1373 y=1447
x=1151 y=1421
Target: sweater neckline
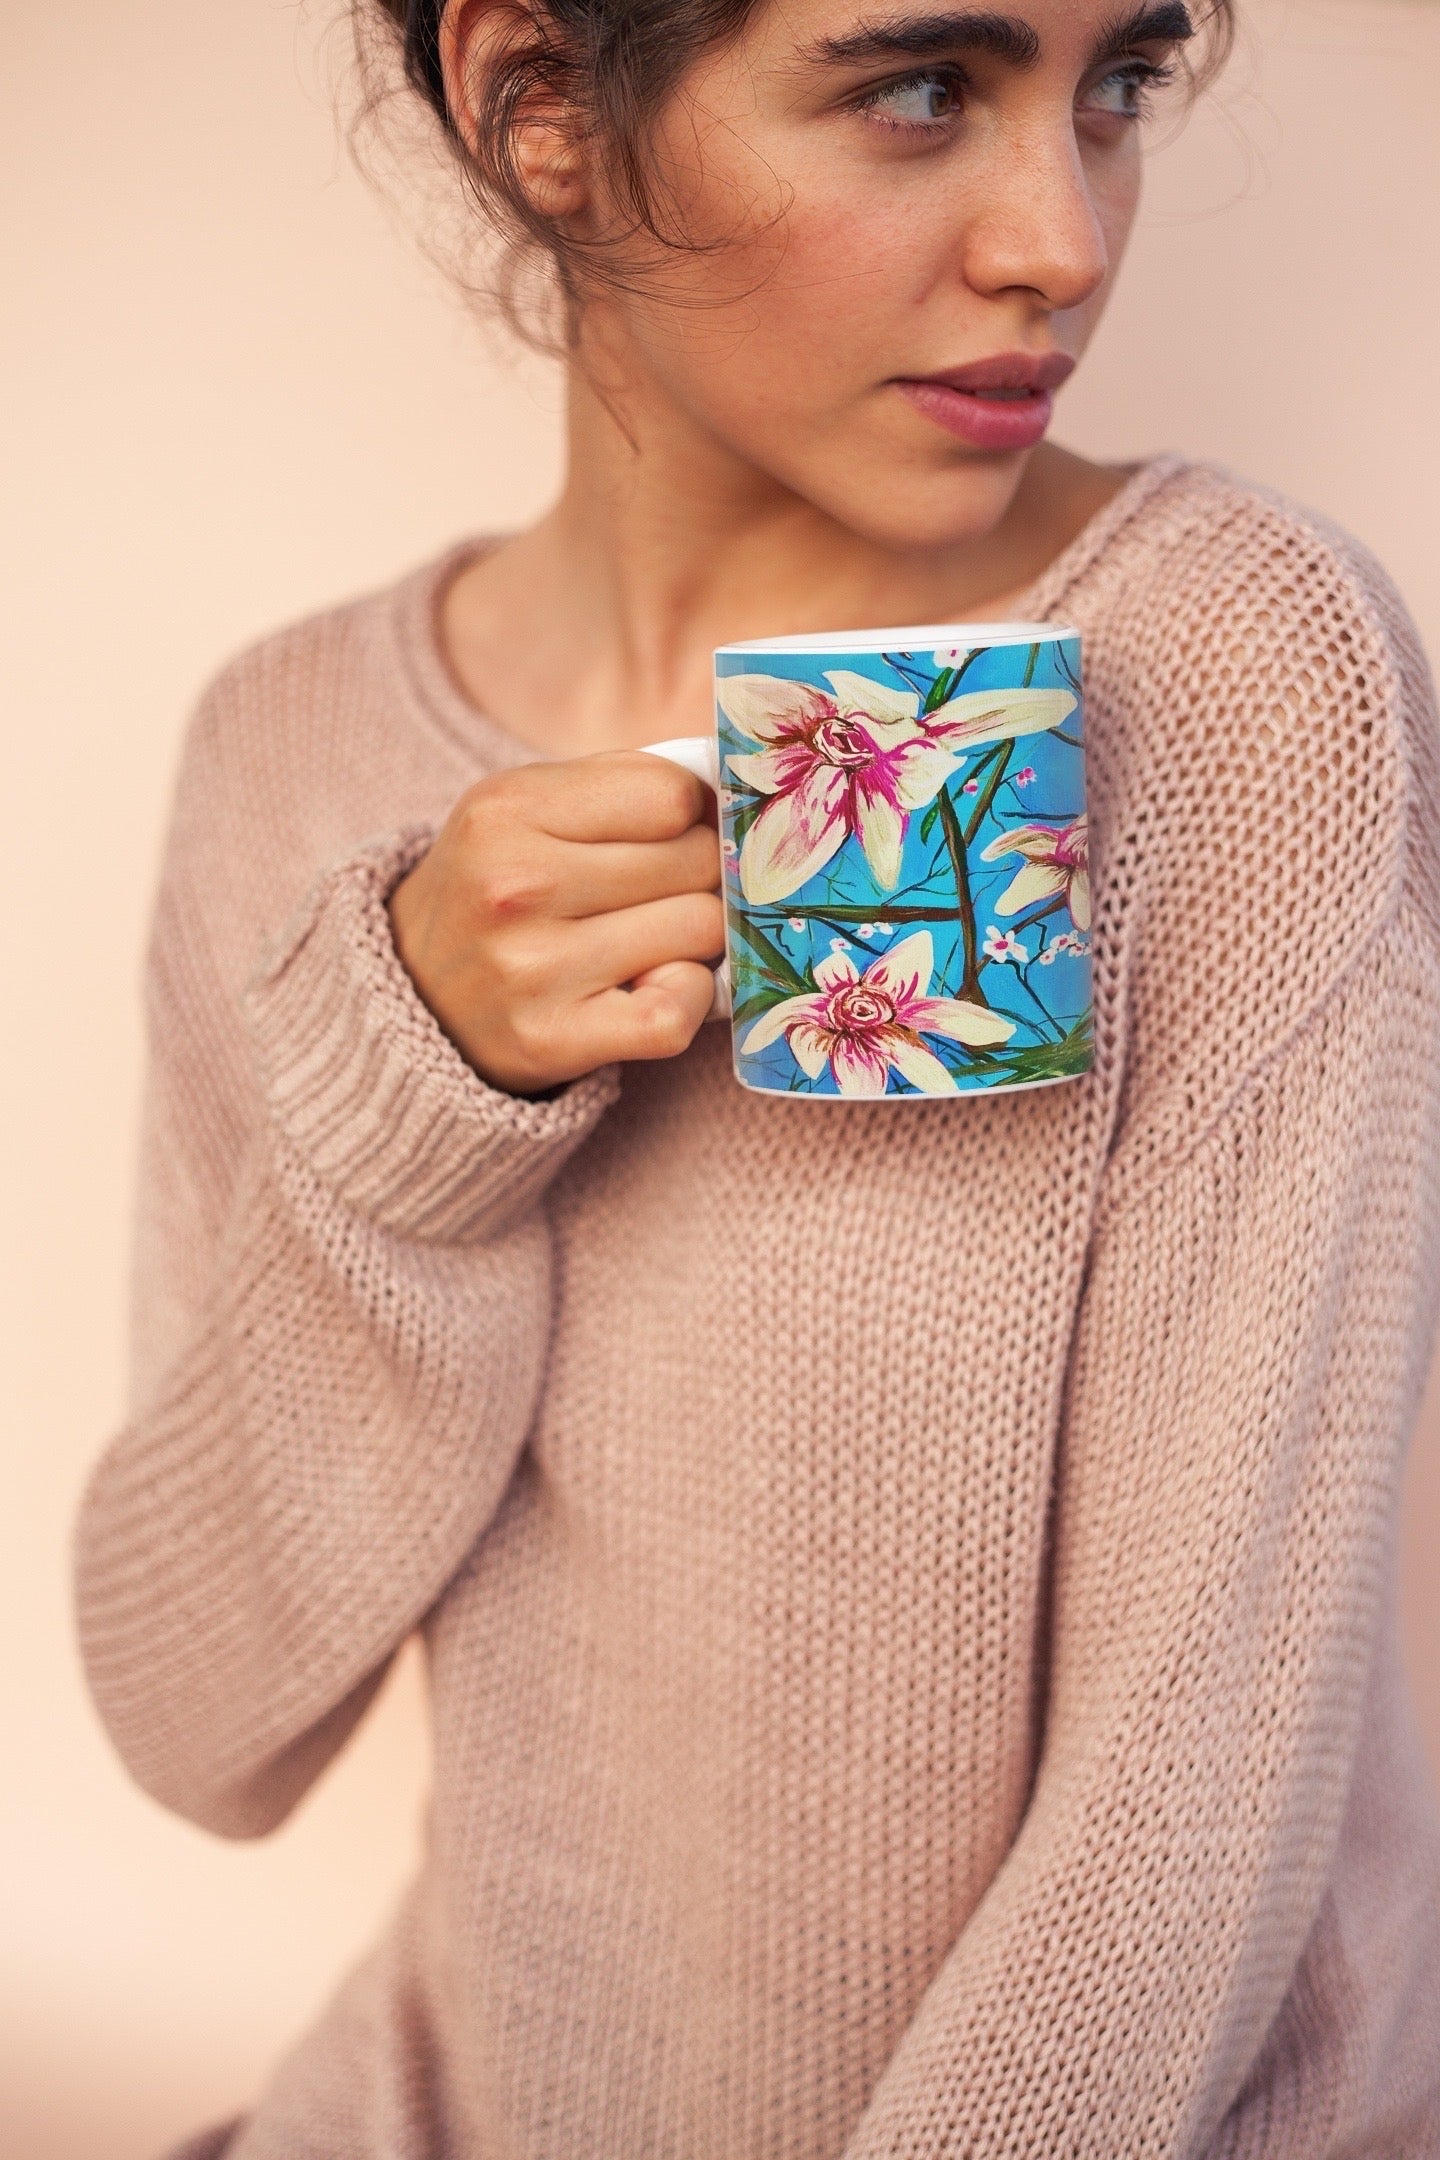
x=437 y=696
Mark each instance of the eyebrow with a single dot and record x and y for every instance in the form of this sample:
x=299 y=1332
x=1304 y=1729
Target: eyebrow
x=1166 y=23
x=1003 y=37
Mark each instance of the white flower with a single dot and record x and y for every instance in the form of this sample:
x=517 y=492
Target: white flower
x=797 y=923
x=865 y=929
x=852 y=760
x=1056 y=864
x=864 y=1026
x=1003 y=945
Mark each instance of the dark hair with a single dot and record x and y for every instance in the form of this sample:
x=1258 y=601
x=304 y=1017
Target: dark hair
x=610 y=65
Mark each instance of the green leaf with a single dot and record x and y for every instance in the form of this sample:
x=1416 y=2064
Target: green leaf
x=964 y=1060
x=759 y=1001
x=939 y=690
x=743 y=815
x=775 y=963
x=1074 y=1053
x=927 y=823
x=748 y=976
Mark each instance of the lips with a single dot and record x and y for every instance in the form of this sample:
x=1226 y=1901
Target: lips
x=1000 y=403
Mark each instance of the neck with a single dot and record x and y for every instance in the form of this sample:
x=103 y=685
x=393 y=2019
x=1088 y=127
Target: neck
x=594 y=629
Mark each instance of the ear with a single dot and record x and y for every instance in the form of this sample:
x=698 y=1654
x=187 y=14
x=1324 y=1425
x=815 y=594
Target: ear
x=477 y=38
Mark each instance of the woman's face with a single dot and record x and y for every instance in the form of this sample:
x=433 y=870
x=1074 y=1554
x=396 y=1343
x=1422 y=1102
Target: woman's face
x=906 y=221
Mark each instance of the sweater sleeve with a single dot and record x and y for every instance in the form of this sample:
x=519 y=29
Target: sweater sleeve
x=1246 y=1371
x=341 y=1320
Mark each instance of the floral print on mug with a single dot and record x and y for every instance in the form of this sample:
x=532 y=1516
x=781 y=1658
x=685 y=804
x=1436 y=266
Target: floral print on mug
x=905 y=846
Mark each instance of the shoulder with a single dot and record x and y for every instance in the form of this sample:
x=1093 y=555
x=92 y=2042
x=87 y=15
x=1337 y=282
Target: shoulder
x=308 y=744
x=1245 y=608
x=1263 y=770
x=1217 y=583
x=298 y=722
x=1253 y=671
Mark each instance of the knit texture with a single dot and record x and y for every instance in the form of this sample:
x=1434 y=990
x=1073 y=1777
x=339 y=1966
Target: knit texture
x=909 y=1590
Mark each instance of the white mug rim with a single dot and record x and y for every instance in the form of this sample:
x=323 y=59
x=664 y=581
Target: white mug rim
x=904 y=637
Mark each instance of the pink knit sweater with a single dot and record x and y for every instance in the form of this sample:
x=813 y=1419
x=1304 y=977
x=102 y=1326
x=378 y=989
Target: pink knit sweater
x=909 y=1592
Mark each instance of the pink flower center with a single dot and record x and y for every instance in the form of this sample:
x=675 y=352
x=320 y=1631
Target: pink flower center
x=1072 y=851
x=844 y=742
x=856 y=1008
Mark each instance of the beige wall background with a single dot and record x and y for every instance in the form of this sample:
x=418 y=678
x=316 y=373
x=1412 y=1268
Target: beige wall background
x=232 y=393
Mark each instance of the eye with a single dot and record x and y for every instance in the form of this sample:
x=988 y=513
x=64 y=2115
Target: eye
x=1125 y=92
x=927 y=100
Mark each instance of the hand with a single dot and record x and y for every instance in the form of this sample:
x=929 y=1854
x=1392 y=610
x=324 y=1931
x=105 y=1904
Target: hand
x=551 y=889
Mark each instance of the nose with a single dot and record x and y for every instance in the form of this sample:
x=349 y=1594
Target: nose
x=1039 y=229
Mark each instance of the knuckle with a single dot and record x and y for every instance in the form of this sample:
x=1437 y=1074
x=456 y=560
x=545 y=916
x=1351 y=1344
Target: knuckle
x=480 y=813
x=521 y=967
x=491 y=809
x=665 y=1027
x=503 y=869
x=671 y=794
x=507 y=886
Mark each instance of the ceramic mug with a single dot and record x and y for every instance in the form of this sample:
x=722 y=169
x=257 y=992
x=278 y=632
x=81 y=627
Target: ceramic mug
x=907 y=888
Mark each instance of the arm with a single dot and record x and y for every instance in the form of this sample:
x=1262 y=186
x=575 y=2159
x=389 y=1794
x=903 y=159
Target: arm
x=1248 y=1362
x=342 y=1309
x=1245 y=1367
x=342 y=1280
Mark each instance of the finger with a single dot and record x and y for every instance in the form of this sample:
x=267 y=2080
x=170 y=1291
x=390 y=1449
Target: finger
x=606 y=950
x=658 y=1019
x=616 y=795
x=596 y=877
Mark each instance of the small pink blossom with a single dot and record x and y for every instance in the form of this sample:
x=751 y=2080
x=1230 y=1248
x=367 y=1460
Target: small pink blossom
x=1025 y=776
x=797 y=923
x=850 y=760
x=1067 y=942
x=1057 y=860
x=863 y=1025
x=970 y=787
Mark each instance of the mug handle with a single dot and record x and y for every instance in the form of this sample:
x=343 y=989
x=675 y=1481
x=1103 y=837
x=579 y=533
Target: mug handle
x=699 y=754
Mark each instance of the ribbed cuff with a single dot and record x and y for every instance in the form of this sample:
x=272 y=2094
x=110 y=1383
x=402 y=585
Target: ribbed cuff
x=373 y=1095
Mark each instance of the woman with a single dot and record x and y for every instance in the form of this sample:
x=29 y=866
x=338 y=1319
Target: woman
x=909 y=1594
